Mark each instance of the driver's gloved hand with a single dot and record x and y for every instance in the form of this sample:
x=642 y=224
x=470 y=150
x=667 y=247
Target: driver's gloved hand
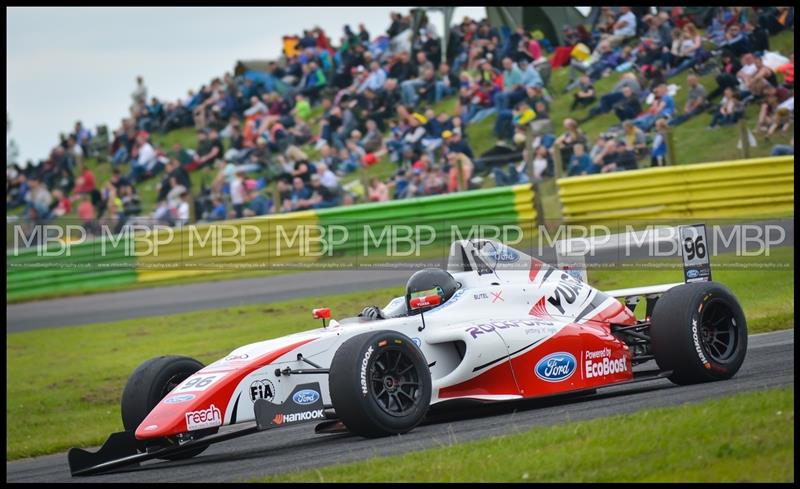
x=371 y=312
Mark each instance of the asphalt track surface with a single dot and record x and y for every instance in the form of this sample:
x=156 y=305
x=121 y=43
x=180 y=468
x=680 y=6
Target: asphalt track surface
x=157 y=301
x=769 y=363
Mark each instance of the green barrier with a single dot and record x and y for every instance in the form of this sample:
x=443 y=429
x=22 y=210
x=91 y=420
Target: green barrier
x=370 y=227
x=191 y=251
x=760 y=187
x=86 y=266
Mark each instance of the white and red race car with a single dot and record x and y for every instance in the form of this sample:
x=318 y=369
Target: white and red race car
x=515 y=328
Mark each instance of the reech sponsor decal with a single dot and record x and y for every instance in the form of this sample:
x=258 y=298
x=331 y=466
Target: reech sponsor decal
x=599 y=363
x=204 y=418
x=556 y=367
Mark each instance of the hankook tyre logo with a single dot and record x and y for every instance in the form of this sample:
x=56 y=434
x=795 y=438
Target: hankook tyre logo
x=281 y=418
x=364 y=363
x=697 y=347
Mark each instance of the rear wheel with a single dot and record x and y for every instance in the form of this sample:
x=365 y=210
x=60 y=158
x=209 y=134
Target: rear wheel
x=699 y=332
x=380 y=384
x=147 y=385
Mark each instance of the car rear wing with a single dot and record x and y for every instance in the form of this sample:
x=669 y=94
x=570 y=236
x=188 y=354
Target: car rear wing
x=691 y=240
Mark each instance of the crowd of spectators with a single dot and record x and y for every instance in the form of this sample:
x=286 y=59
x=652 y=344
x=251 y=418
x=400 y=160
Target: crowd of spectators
x=328 y=110
x=728 y=44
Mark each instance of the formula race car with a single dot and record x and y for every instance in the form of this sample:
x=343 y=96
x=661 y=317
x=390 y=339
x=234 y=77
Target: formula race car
x=497 y=325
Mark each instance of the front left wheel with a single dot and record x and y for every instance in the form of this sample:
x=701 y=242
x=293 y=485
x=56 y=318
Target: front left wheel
x=380 y=384
x=147 y=385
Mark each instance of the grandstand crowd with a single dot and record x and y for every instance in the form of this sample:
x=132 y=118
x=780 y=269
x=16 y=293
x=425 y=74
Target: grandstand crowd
x=328 y=109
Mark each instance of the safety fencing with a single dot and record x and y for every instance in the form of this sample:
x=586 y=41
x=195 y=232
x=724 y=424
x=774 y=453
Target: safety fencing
x=293 y=240
x=754 y=188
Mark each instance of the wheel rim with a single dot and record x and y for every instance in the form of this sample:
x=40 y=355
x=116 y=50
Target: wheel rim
x=173 y=382
x=394 y=382
x=719 y=331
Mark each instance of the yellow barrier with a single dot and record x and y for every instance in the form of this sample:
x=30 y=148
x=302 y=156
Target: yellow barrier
x=760 y=187
x=523 y=204
x=243 y=243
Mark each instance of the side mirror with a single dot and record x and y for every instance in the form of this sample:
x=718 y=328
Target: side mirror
x=425 y=301
x=322 y=313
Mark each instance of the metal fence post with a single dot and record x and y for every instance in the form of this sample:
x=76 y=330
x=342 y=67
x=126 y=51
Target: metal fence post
x=671 y=159
x=276 y=198
x=529 y=151
x=558 y=163
x=743 y=139
x=537 y=196
x=362 y=173
x=460 y=169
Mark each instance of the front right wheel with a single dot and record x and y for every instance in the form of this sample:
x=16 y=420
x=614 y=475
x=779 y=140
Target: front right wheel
x=699 y=332
x=380 y=384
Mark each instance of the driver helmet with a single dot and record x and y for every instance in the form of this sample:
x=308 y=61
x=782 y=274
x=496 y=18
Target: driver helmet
x=428 y=282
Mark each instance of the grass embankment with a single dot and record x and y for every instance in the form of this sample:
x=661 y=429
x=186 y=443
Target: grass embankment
x=693 y=143
x=742 y=438
x=63 y=385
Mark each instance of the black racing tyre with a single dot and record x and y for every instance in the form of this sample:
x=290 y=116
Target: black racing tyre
x=380 y=384
x=699 y=332
x=147 y=385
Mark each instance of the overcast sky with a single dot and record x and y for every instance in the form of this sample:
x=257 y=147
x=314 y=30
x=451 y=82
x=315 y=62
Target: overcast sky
x=68 y=64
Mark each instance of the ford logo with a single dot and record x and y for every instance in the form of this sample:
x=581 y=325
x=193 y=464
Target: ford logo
x=503 y=255
x=556 y=367
x=692 y=273
x=179 y=398
x=507 y=255
x=305 y=396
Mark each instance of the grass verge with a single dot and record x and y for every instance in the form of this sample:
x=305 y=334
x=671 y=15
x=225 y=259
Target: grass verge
x=66 y=383
x=745 y=437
